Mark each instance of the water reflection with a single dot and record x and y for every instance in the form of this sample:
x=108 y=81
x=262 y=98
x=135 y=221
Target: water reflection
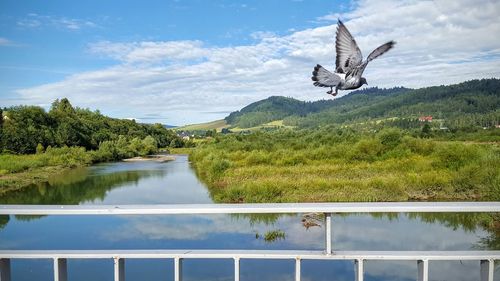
x=77 y=186
x=175 y=182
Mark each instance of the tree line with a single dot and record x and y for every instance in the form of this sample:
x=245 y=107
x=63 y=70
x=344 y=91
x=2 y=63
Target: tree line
x=26 y=129
x=467 y=106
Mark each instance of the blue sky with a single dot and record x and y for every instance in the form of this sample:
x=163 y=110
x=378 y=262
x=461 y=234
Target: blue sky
x=49 y=39
x=179 y=62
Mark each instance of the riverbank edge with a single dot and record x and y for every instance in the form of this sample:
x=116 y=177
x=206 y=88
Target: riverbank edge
x=17 y=181
x=155 y=158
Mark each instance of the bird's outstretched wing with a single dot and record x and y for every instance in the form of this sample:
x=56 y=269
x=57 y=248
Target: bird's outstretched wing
x=324 y=78
x=358 y=70
x=380 y=50
x=348 y=54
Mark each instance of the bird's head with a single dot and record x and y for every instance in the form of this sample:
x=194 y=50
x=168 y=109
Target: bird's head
x=363 y=81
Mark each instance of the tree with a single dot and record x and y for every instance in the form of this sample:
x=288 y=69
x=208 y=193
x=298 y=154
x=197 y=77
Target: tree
x=135 y=145
x=70 y=129
x=149 y=146
x=1 y=128
x=177 y=142
x=123 y=147
x=210 y=133
x=426 y=131
x=25 y=127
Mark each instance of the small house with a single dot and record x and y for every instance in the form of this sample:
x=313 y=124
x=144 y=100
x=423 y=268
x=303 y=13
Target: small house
x=425 y=118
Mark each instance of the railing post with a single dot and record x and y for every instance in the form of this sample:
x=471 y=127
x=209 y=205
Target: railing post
x=119 y=269
x=297 y=269
x=236 y=269
x=358 y=270
x=422 y=270
x=487 y=269
x=328 y=233
x=177 y=269
x=60 y=269
x=4 y=269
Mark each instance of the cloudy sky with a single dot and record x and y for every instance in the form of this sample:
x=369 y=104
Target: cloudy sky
x=181 y=62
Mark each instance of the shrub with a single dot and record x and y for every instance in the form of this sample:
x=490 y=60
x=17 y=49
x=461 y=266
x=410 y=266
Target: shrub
x=367 y=149
x=456 y=155
x=390 y=137
x=257 y=157
x=39 y=148
x=218 y=167
x=419 y=146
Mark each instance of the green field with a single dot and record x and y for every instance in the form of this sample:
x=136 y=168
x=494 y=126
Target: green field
x=218 y=125
x=271 y=125
x=344 y=165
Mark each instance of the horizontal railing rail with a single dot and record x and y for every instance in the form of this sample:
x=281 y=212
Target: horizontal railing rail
x=275 y=208
x=250 y=254
x=486 y=258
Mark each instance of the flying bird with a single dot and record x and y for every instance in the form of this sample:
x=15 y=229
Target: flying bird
x=349 y=64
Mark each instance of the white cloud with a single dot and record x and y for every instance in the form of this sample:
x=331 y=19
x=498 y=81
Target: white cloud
x=6 y=42
x=438 y=42
x=262 y=34
x=152 y=52
x=33 y=20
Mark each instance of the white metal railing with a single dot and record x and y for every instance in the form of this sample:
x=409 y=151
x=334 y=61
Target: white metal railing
x=422 y=258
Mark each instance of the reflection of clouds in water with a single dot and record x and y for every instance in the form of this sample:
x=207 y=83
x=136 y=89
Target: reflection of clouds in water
x=362 y=232
x=454 y=270
x=390 y=270
x=407 y=270
x=10 y=244
x=200 y=227
x=354 y=232
x=258 y=270
x=190 y=227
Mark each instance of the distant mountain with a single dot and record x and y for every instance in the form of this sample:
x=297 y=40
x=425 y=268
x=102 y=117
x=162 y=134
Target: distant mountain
x=272 y=108
x=277 y=107
x=466 y=100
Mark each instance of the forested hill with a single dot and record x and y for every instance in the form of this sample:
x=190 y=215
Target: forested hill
x=476 y=101
x=277 y=107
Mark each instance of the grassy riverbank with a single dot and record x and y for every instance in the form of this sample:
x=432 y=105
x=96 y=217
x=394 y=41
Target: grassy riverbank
x=18 y=171
x=343 y=165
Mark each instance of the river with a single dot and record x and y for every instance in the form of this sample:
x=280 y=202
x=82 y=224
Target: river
x=175 y=182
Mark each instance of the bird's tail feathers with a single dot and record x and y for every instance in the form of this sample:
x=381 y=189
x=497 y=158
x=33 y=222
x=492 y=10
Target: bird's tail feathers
x=323 y=77
x=315 y=75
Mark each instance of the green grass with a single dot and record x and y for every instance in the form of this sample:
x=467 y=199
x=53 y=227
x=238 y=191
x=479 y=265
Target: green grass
x=18 y=171
x=16 y=181
x=312 y=166
x=64 y=157
x=181 y=150
x=271 y=125
x=217 y=125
